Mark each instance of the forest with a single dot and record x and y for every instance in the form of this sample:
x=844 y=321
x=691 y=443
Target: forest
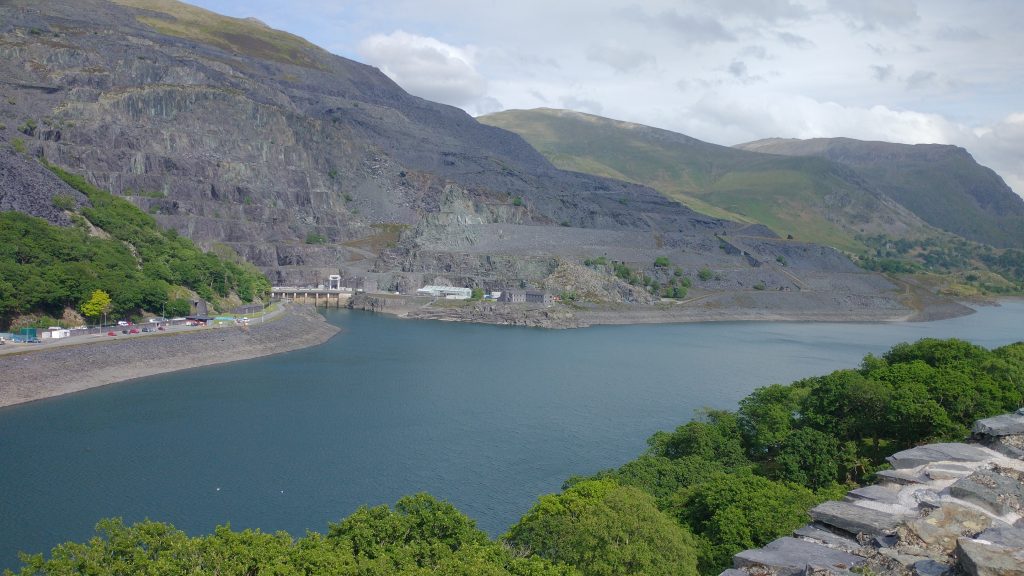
x=720 y=483
x=114 y=247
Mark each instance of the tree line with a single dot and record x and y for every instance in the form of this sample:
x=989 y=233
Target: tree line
x=46 y=268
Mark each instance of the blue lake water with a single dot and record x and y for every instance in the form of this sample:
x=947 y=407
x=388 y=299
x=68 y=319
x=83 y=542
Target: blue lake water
x=487 y=417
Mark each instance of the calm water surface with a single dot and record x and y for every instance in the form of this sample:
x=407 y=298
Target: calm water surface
x=487 y=417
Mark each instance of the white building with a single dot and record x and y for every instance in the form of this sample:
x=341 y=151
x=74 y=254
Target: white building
x=446 y=292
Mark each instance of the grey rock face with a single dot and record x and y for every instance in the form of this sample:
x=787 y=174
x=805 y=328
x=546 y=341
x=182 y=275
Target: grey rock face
x=27 y=187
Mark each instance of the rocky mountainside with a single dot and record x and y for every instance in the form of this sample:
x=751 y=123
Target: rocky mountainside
x=309 y=164
x=814 y=199
x=941 y=184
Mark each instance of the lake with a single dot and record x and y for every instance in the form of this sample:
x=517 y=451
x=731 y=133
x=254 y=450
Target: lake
x=487 y=417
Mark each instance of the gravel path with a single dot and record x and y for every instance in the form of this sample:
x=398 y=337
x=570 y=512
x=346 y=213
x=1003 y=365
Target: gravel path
x=46 y=372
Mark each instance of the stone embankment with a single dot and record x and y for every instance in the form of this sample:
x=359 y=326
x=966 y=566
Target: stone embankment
x=44 y=373
x=710 y=307
x=943 y=509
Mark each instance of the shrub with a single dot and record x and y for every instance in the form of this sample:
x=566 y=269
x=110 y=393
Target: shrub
x=705 y=274
x=64 y=202
x=661 y=262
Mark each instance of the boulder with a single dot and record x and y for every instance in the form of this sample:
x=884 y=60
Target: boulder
x=940 y=529
x=791 y=557
x=980 y=558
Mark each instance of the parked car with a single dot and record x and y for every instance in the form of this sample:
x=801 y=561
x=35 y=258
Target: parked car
x=160 y=328
x=124 y=331
x=147 y=329
x=123 y=323
x=111 y=333
x=133 y=331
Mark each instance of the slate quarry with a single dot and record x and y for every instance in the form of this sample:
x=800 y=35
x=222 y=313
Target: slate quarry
x=309 y=164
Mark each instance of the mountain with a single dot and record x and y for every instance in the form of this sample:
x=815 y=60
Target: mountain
x=941 y=184
x=245 y=138
x=814 y=199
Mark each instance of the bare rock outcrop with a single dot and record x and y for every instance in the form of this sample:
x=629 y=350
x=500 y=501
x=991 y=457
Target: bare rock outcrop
x=943 y=509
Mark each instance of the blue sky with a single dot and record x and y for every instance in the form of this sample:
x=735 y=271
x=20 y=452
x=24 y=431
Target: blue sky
x=724 y=71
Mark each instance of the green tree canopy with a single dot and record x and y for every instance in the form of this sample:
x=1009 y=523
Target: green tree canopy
x=605 y=529
x=97 y=304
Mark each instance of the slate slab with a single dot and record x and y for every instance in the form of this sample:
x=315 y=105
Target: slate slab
x=827 y=537
x=931 y=568
x=980 y=559
x=853 y=519
x=1010 y=537
x=943 y=452
x=903 y=477
x=791 y=556
x=990 y=490
x=1002 y=425
x=874 y=493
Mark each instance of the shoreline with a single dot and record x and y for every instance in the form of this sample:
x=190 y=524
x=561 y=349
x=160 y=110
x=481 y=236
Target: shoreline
x=710 y=309
x=36 y=374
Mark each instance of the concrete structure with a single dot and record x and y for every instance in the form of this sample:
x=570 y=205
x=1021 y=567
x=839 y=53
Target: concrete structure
x=446 y=292
x=334 y=282
x=316 y=296
x=525 y=296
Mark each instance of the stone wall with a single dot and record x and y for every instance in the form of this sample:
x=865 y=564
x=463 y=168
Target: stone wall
x=951 y=508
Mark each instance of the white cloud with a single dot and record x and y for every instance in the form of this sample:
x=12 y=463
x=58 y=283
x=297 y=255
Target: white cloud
x=874 y=14
x=427 y=67
x=620 y=58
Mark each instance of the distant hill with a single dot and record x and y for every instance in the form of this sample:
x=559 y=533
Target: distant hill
x=943 y=185
x=811 y=198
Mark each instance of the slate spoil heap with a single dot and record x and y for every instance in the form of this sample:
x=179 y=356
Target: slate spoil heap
x=953 y=508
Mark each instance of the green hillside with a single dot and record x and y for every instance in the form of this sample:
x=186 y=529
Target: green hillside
x=812 y=199
x=243 y=36
x=941 y=184
x=113 y=247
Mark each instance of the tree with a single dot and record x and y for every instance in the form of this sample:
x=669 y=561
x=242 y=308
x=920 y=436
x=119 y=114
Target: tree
x=97 y=304
x=605 y=529
x=715 y=438
x=808 y=457
x=733 y=512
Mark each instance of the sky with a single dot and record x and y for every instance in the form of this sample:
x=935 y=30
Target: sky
x=723 y=71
